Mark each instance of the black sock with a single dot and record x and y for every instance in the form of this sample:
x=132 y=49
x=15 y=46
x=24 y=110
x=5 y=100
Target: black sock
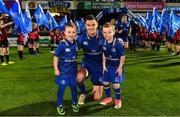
x=2 y=58
x=7 y=58
x=37 y=50
x=158 y=47
x=31 y=51
x=52 y=48
x=19 y=53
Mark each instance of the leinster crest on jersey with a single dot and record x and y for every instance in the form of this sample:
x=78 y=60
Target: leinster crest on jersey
x=85 y=43
x=67 y=50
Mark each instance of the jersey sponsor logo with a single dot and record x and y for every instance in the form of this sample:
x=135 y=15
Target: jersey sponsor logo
x=69 y=61
x=93 y=51
x=113 y=50
x=67 y=50
x=85 y=43
x=63 y=82
x=112 y=59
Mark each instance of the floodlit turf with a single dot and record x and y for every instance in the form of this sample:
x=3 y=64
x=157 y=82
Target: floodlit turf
x=152 y=87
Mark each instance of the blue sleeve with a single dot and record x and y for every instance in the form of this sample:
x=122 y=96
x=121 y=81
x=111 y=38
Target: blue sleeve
x=59 y=50
x=120 y=49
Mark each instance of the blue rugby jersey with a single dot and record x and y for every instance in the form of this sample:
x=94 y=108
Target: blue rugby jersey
x=125 y=30
x=113 y=51
x=67 y=53
x=92 y=47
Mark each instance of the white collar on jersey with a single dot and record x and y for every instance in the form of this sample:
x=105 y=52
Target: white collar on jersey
x=97 y=35
x=114 y=40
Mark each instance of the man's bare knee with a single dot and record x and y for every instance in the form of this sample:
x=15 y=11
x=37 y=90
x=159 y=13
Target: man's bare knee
x=81 y=75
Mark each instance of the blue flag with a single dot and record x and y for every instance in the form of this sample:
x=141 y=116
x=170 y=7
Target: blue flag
x=174 y=25
x=17 y=16
x=142 y=20
x=40 y=16
x=27 y=18
x=80 y=25
x=3 y=8
x=155 y=24
x=51 y=22
x=148 y=21
x=165 y=19
x=62 y=23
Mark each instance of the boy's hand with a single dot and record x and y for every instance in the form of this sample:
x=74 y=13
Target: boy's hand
x=119 y=70
x=120 y=31
x=57 y=72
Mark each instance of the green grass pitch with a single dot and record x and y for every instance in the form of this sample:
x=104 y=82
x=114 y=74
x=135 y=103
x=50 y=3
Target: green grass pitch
x=151 y=87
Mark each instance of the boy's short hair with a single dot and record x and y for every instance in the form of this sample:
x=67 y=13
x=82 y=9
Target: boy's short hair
x=90 y=17
x=108 y=25
x=71 y=24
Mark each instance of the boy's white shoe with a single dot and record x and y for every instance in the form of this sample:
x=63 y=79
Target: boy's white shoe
x=82 y=98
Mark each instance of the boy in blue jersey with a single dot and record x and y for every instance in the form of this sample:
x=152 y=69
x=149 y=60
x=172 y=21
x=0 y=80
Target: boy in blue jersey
x=65 y=68
x=123 y=30
x=91 y=43
x=113 y=60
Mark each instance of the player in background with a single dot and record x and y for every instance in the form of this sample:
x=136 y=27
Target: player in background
x=20 y=43
x=133 y=40
x=4 y=44
x=113 y=61
x=31 y=40
x=123 y=30
x=65 y=68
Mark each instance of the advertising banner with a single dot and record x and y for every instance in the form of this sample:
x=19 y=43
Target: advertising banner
x=143 y=6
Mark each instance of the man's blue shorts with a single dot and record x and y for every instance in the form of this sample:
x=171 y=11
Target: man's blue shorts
x=95 y=72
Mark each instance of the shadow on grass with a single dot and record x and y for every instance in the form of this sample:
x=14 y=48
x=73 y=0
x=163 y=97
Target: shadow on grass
x=165 y=65
x=42 y=108
x=49 y=109
x=163 y=59
x=172 y=80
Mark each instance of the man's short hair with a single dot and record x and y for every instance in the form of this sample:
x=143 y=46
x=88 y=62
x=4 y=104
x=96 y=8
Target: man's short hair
x=90 y=17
